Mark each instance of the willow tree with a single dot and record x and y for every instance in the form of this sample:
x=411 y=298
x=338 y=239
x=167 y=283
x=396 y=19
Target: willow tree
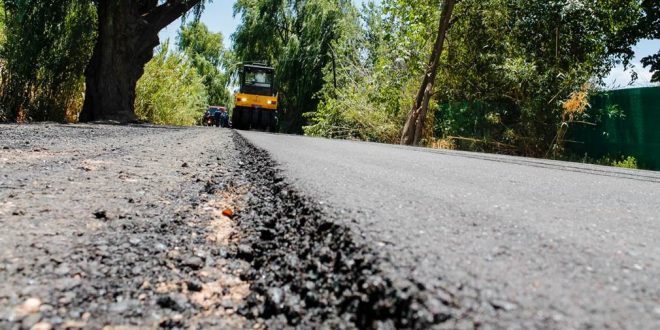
x=127 y=35
x=414 y=127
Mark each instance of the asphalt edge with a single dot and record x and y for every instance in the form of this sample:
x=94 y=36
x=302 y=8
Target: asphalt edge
x=311 y=270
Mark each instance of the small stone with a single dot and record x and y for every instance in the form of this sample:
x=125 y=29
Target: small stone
x=245 y=252
x=30 y=320
x=172 y=301
x=184 y=165
x=30 y=306
x=194 y=286
x=503 y=305
x=194 y=263
x=43 y=326
x=62 y=270
x=275 y=296
x=70 y=324
x=137 y=270
x=67 y=284
x=174 y=254
x=227 y=303
x=121 y=306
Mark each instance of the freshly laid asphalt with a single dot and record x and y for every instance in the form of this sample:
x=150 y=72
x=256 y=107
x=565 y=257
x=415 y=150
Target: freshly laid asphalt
x=515 y=242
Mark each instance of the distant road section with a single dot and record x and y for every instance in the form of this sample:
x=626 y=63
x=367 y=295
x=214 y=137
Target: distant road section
x=513 y=242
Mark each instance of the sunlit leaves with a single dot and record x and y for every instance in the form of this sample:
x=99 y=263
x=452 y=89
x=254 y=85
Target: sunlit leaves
x=48 y=44
x=206 y=53
x=170 y=92
x=295 y=36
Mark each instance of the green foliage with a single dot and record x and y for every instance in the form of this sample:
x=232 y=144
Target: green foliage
x=48 y=44
x=296 y=37
x=208 y=55
x=647 y=26
x=508 y=68
x=170 y=92
x=2 y=24
x=367 y=102
x=627 y=162
x=520 y=60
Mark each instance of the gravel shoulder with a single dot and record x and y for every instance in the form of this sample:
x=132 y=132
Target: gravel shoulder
x=109 y=226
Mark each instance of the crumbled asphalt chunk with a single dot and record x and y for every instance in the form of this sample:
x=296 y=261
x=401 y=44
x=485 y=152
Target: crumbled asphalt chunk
x=194 y=286
x=172 y=301
x=308 y=271
x=101 y=214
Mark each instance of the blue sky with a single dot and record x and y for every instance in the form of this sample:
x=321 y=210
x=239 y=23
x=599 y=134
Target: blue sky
x=218 y=16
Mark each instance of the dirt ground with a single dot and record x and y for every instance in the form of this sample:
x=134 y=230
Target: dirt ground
x=111 y=226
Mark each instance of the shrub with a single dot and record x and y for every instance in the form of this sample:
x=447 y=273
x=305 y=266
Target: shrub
x=627 y=162
x=170 y=92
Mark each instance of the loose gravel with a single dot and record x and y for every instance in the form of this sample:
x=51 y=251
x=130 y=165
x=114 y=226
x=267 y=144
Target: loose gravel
x=156 y=227
x=310 y=270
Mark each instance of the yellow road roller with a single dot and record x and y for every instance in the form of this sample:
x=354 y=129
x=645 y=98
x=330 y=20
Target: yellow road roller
x=256 y=100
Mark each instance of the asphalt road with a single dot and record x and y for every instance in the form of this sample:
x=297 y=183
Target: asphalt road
x=514 y=242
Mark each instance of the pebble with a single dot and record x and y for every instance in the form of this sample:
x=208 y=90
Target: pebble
x=62 y=270
x=42 y=326
x=245 y=252
x=276 y=296
x=503 y=305
x=194 y=263
x=30 y=320
x=30 y=306
x=175 y=302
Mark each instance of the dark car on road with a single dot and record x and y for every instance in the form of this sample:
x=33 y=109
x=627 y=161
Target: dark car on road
x=216 y=116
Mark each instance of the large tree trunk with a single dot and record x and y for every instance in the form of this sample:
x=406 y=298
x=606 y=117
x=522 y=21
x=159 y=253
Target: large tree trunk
x=127 y=35
x=413 y=130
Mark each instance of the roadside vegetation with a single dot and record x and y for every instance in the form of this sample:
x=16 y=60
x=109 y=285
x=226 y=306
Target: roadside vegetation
x=171 y=92
x=511 y=77
x=45 y=48
x=178 y=84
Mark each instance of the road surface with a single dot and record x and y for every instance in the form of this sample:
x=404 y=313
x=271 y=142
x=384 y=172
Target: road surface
x=114 y=227
x=513 y=242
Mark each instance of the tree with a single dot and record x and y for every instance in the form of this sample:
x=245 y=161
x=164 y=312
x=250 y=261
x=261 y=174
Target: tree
x=414 y=126
x=47 y=46
x=170 y=92
x=208 y=55
x=295 y=36
x=127 y=35
x=650 y=27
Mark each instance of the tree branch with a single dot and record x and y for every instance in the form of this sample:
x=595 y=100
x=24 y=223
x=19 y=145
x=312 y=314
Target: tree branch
x=160 y=17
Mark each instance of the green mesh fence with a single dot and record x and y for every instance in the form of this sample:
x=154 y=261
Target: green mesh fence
x=637 y=134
